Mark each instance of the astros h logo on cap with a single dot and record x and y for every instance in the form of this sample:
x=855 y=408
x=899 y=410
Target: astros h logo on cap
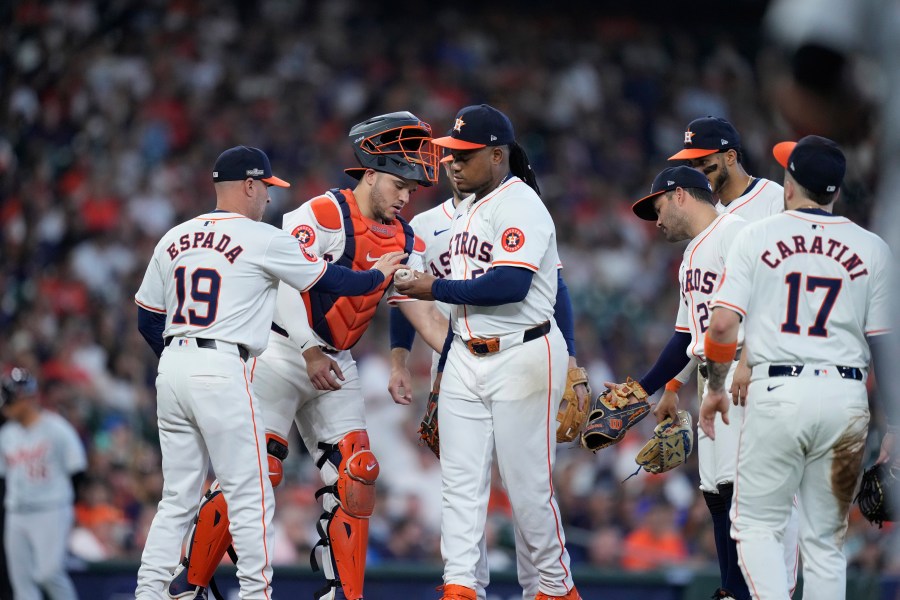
x=706 y=136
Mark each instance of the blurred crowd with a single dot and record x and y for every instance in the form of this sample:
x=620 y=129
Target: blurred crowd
x=115 y=111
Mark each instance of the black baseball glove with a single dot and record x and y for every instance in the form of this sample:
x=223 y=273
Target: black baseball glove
x=878 y=488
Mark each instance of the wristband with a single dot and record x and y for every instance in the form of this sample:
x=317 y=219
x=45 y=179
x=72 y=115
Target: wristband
x=717 y=351
x=674 y=386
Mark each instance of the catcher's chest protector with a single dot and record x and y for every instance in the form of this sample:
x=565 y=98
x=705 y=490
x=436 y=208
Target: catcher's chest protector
x=341 y=320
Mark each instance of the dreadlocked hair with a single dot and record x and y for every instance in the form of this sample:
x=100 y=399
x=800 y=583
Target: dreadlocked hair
x=521 y=168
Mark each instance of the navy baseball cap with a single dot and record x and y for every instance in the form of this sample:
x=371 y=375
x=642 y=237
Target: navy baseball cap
x=815 y=162
x=477 y=127
x=241 y=162
x=706 y=136
x=667 y=180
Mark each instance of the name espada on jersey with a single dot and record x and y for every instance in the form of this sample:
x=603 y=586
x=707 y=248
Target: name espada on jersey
x=699 y=275
x=762 y=198
x=218 y=273
x=811 y=286
x=508 y=227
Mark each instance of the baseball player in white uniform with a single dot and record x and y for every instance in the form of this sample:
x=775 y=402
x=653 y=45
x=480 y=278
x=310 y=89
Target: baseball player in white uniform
x=713 y=146
x=307 y=374
x=507 y=361
x=41 y=457
x=205 y=305
x=811 y=287
x=433 y=226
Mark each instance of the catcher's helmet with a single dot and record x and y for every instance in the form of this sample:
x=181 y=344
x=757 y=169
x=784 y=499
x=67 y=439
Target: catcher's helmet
x=398 y=143
x=18 y=382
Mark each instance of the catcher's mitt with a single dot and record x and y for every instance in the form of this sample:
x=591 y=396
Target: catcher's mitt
x=670 y=446
x=428 y=428
x=879 y=485
x=613 y=413
x=570 y=417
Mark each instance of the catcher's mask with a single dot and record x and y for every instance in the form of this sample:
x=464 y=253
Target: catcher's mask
x=397 y=143
x=15 y=384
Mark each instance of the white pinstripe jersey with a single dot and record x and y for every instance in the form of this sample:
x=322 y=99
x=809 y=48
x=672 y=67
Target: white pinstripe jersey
x=763 y=199
x=215 y=276
x=433 y=227
x=699 y=275
x=810 y=287
x=508 y=227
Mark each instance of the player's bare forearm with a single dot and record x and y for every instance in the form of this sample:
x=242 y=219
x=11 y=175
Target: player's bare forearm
x=427 y=320
x=717 y=374
x=400 y=383
x=722 y=332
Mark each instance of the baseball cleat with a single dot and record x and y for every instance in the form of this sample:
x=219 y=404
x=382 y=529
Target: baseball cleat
x=722 y=594
x=458 y=592
x=572 y=595
x=180 y=589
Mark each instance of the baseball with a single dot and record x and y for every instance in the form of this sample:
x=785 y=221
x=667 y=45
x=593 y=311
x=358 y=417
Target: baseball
x=401 y=275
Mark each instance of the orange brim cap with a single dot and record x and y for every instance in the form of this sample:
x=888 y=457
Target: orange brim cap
x=782 y=152
x=276 y=181
x=691 y=153
x=455 y=144
x=448 y=158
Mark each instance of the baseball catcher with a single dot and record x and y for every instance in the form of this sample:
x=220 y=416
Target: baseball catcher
x=572 y=415
x=879 y=483
x=670 y=446
x=614 y=412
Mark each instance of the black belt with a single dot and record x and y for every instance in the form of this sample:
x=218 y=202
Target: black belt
x=482 y=346
x=795 y=370
x=211 y=344
x=283 y=332
x=704 y=368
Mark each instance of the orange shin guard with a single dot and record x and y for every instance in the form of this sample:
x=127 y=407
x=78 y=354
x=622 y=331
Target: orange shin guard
x=346 y=533
x=210 y=539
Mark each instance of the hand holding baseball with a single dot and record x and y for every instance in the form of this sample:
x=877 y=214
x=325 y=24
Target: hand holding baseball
x=402 y=275
x=415 y=284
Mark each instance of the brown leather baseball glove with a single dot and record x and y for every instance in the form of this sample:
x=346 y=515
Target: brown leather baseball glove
x=572 y=417
x=670 y=446
x=613 y=413
x=428 y=428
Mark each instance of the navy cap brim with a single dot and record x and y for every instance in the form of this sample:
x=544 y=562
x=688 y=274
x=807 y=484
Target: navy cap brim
x=643 y=208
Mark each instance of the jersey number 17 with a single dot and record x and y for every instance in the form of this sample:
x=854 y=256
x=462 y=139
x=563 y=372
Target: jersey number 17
x=794 y=282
